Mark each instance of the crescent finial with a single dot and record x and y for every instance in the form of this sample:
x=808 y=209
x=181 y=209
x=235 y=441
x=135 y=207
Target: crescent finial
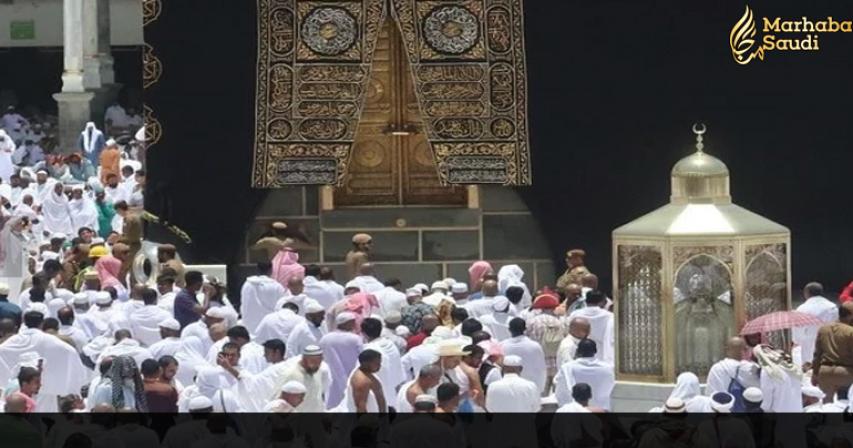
x=699 y=129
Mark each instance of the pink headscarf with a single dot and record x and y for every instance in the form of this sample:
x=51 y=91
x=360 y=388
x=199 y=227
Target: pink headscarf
x=491 y=347
x=362 y=305
x=108 y=268
x=285 y=266
x=476 y=272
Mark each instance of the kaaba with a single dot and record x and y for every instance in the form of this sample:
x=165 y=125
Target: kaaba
x=605 y=117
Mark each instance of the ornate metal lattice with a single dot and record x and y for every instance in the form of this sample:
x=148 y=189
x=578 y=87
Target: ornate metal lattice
x=767 y=284
x=704 y=313
x=640 y=316
x=766 y=279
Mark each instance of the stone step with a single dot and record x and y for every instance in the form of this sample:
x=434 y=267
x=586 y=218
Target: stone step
x=629 y=396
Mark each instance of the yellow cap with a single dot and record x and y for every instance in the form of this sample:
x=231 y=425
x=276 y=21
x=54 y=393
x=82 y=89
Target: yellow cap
x=98 y=252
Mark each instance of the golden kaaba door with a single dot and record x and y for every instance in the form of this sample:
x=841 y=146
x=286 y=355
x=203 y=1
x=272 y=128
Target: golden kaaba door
x=392 y=163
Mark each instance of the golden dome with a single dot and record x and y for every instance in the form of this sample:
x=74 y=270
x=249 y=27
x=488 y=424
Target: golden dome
x=700 y=178
x=700 y=164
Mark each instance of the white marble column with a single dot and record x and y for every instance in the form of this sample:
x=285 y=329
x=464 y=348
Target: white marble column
x=73 y=46
x=74 y=102
x=91 y=61
x=98 y=59
x=105 y=53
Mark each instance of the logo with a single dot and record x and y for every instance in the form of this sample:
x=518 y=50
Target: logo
x=779 y=34
x=742 y=39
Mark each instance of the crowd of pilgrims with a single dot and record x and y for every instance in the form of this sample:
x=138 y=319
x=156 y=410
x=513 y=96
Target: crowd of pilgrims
x=51 y=196
x=83 y=337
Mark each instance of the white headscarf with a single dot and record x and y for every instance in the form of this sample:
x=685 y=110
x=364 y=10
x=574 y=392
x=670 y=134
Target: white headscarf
x=12 y=248
x=55 y=211
x=8 y=145
x=7 y=148
x=90 y=136
x=211 y=384
x=209 y=380
x=83 y=212
x=6 y=192
x=23 y=210
x=512 y=275
x=190 y=358
x=686 y=387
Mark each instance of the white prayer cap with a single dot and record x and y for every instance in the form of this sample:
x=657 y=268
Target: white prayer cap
x=500 y=304
x=312 y=350
x=49 y=255
x=81 y=299
x=450 y=281
x=459 y=288
x=58 y=236
x=813 y=391
x=42 y=170
x=4 y=289
x=402 y=331
x=512 y=361
x=94 y=183
x=216 y=312
x=421 y=287
x=393 y=317
x=98 y=240
x=722 y=402
x=753 y=395
x=111 y=142
x=440 y=285
x=413 y=292
x=103 y=298
x=54 y=306
x=344 y=317
x=313 y=306
x=442 y=332
x=352 y=284
x=39 y=308
x=674 y=405
x=294 y=387
x=426 y=398
x=200 y=402
x=170 y=324
x=63 y=294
